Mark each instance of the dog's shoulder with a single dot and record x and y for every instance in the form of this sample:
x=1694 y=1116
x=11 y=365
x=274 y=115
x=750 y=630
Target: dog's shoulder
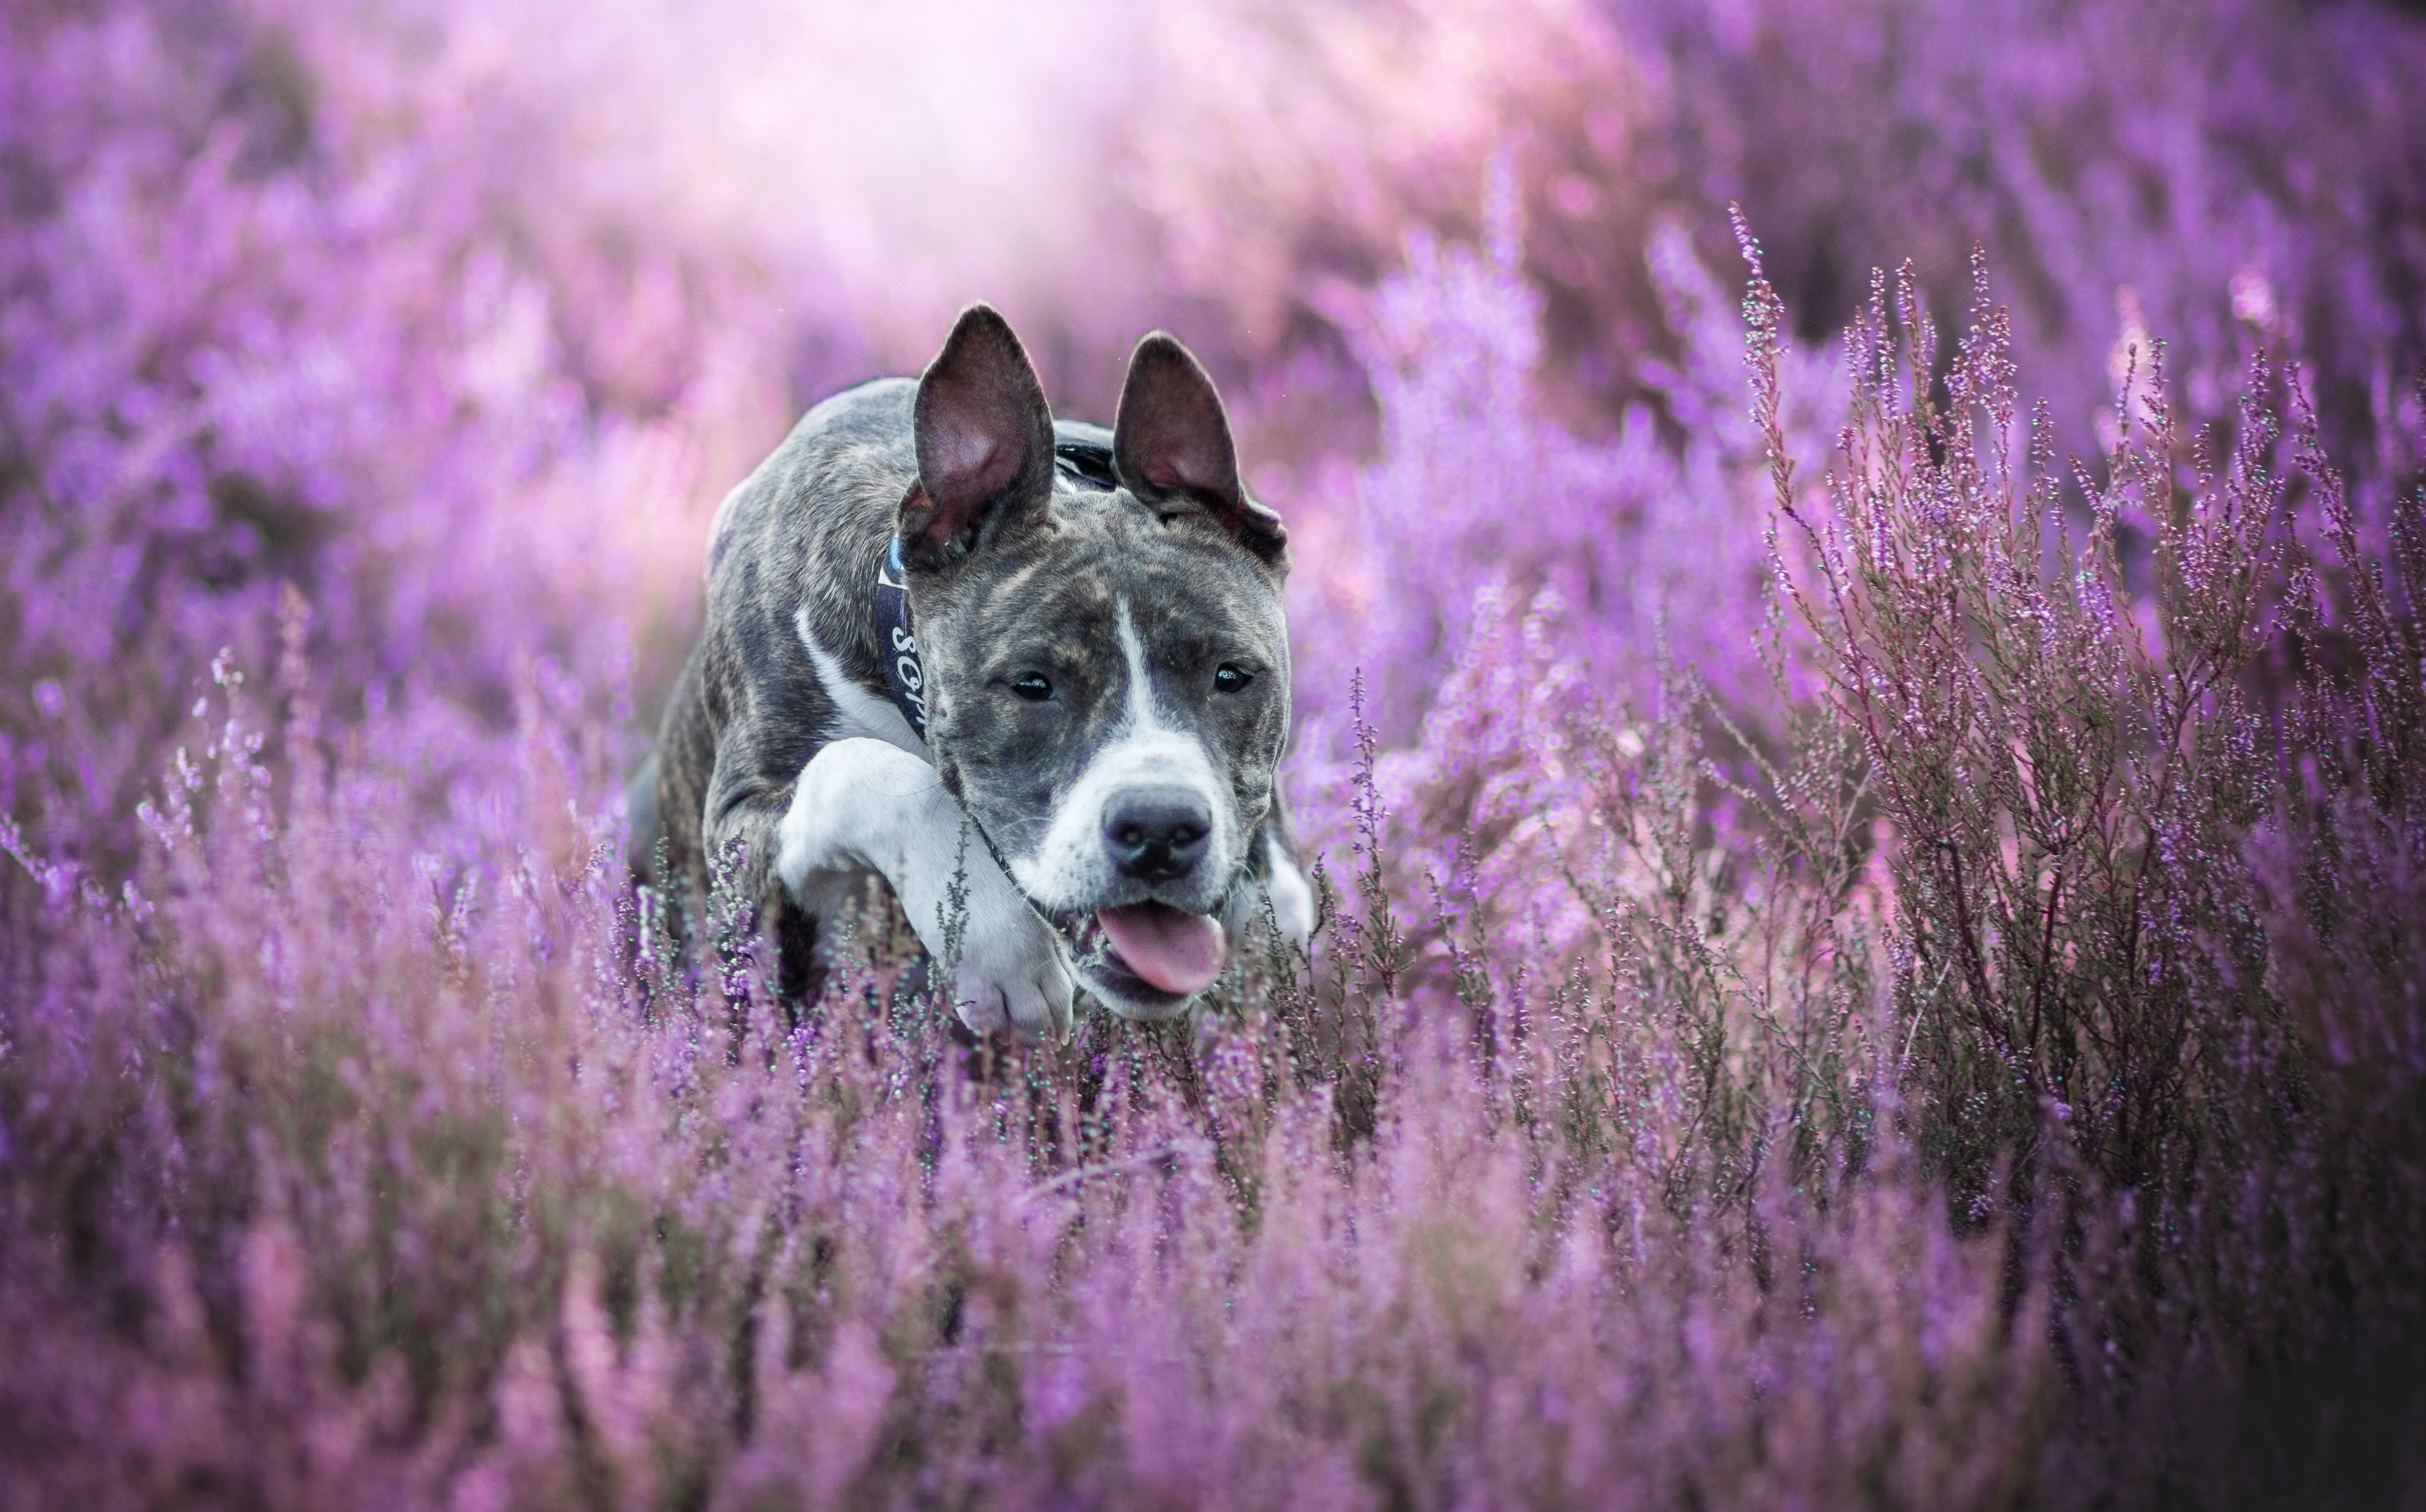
x=834 y=482
x=793 y=556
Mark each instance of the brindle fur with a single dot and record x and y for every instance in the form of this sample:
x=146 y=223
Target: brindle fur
x=1031 y=582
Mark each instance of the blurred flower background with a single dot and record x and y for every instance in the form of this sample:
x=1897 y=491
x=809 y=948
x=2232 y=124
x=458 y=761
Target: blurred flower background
x=1892 y=978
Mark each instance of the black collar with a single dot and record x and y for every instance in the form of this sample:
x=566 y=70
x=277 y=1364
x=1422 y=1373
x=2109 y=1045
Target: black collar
x=905 y=678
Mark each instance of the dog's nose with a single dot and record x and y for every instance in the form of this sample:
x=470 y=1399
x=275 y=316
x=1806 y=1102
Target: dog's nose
x=1157 y=833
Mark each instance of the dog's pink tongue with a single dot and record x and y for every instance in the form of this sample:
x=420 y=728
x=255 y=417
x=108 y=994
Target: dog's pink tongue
x=1178 y=952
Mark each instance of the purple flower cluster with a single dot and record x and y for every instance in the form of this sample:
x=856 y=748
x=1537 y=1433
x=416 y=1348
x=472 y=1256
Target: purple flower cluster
x=1871 y=942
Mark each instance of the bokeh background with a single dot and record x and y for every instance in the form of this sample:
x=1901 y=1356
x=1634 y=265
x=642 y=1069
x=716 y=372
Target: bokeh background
x=460 y=319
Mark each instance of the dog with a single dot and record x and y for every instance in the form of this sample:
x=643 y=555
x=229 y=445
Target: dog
x=1035 y=674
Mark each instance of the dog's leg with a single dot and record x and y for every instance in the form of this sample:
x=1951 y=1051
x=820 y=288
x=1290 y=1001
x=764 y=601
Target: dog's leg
x=742 y=806
x=641 y=829
x=862 y=805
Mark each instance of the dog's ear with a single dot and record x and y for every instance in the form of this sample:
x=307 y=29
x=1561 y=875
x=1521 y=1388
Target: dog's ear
x=1171 y=441
x=985 y=442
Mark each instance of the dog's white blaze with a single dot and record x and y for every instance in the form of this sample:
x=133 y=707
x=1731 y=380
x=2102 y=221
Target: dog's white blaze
x=863 y=712
x=1069 y=868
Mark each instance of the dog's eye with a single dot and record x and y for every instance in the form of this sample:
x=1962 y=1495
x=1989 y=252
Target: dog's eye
x=1033 y=687
x=1230 y=678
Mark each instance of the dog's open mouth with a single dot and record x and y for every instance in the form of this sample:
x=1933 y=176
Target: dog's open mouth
x=1152 y=952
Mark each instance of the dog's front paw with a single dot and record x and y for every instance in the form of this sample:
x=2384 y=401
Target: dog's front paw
x=1283 y=898
x=1292 y=901
x=1014 y=974
x=862 y=805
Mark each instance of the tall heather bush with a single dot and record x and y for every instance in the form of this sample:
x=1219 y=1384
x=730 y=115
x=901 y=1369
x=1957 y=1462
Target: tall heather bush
x=2099 y=763
x=2068 y=756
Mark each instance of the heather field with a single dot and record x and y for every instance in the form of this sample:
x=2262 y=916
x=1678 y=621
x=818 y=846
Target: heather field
x=1859 y=687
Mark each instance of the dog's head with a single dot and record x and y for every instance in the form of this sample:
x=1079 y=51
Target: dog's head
x=1107 y=670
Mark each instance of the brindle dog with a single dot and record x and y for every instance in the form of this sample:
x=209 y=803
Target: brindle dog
x=1035 y=677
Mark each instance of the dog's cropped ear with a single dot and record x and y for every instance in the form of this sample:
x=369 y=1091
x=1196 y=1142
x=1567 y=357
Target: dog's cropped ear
x=985 y=442
x=1171 y=441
